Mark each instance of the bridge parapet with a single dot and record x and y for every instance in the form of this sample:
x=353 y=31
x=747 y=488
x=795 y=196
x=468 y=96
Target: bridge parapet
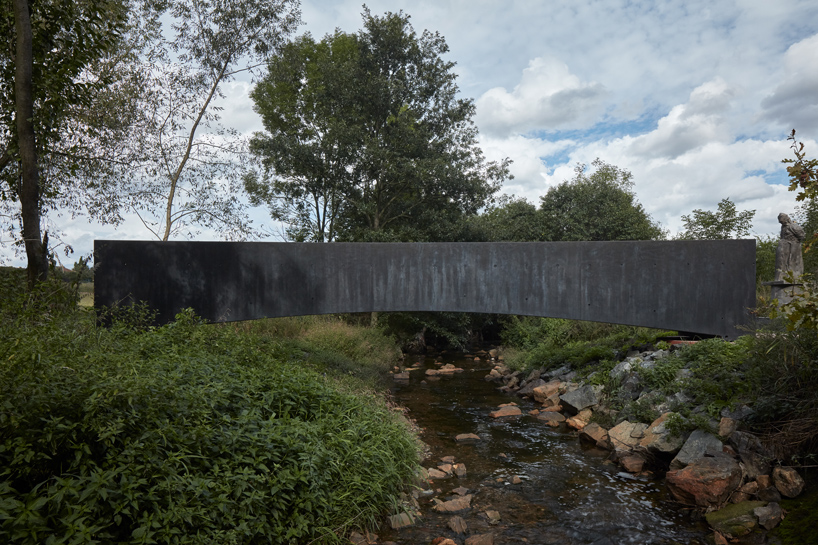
x=697 y=286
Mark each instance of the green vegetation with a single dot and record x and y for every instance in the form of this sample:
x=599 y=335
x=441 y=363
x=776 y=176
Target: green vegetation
x=725 y=223
x=190 y=433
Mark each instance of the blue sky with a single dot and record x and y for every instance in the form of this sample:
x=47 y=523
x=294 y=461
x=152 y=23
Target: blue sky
x=694 y=97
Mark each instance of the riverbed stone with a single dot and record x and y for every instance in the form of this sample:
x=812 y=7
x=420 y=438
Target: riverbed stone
x=769 y=516
x=626 y=435
x=510 y=410
x=581 y=398
x=544 y=391
x=658 y=438
x=438 y=474
x=697 y=445
x=401 y=376
x=528 y=389
x=580 y=420
x=493 y=517
x=467 y=438
x=454 y=505
x=401 y=520
x=551 y=418
x=706 y=482
x=788 y=482
x=460 y=469
x=596 y=434
x=735 y=520
x=480 y=539
x=632 y=463
x=458 y=525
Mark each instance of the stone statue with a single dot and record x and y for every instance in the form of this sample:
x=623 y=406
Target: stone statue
x=788 y=255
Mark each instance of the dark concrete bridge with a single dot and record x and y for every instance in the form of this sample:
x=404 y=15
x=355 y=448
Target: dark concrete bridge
x=695 y=286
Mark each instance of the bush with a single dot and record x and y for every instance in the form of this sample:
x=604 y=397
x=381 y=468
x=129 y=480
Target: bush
x=186 y=433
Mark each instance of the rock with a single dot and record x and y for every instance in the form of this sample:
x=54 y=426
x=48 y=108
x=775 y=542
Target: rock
x=480 y=539
x=534 y=375
x=460 y=470
x=458 y=525
x=769 y=493
x=506 y=411
x=401 y=520
x=626 y=435
x=543 y=392
x=534 y=412
x=739 y=413
x=752 y=453
x=445 y=468
x=658 y=438
x=493 y=353
x=699 y=443
x=493 y=517
x=727 y=426
x=769 y=516
x=565 y=369
x=461 y=490
x=751 y=488
x=632 y=463
x=437 y=474
x=452 y=506
x=515 y=479
x=596 y=434
x=581 y=398
x=706 y=482
x=580 y=420
x=552 y=403
x=401 y=376
x=735 y=520
x=764 y=481
x=443 y=541
x=467 y=438
x=788 y=482
x=528 y=389
x=448 y=459
x=551 y=418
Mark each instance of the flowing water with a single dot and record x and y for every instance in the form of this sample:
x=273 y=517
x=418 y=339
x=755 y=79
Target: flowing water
x=569 y=494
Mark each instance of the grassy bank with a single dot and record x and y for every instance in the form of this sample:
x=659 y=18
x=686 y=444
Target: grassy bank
x=191 y=433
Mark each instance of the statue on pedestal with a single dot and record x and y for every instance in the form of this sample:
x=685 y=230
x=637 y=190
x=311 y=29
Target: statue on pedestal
x=788 y=256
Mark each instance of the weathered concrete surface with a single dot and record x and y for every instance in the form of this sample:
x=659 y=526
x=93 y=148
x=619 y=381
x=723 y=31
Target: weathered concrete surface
x=695 y=286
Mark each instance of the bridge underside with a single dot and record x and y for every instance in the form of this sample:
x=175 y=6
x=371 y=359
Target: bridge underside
x=697 y=286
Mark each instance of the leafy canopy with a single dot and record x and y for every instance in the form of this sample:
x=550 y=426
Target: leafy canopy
x=724 y=223
x=366 y=140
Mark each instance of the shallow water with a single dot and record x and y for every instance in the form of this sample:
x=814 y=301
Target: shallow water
x=570 y=495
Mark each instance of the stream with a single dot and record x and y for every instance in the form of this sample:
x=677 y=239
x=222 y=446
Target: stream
x=569 y=494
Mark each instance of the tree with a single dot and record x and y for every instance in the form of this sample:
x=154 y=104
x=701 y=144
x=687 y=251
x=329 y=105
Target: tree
x=184 y=162
x=49 y=67
x=510 y=219
x=725 y=223
x=366 y=139
x=596 y=206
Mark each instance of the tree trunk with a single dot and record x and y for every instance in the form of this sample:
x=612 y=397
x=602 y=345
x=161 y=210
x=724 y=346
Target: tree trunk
x=36 y=251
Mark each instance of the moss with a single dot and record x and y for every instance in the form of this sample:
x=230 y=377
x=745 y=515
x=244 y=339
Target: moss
x=799 y=525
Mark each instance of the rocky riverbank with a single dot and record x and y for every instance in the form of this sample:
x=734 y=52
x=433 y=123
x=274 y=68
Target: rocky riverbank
x=721 y=470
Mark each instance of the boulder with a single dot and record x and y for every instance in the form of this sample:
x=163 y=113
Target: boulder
x=699 y=443
x=467 y=438
x=658 y=438
x=735 y=520
x=580 y=420
x=552 y=403
x=632 y=463
x=458 y=525
x=551 y=418
x=544 y=391
x=452 y=506
x=706 y=482
x=788 y=482
x=581 y=398
x=769 y=516
x=626 y=435
x=596 y=434
x=510 y=410
x=528 y=389
x=753 y=454
x=727 y=426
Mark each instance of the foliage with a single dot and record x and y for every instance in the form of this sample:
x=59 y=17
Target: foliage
x=184 y=162
x=366 y=139
x=724 y=223
x=803 y=172
x=596 y=206
x=187 y=433
x=510 y=219
x=765 y=259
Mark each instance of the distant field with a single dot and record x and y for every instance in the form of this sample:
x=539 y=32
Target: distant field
x=86 y=294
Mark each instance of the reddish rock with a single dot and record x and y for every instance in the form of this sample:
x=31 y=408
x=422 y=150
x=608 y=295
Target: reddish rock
x=452 y=506
x=534 y=412
x=632 y=463
x=438 y=474
x=788 y=482
x=596 y=434
x=541 y=393
x=707 y=482
x=727 y=426
x=443 y=541
x=467 y=438
x=580 y=420
x=658 y=439
x=458 y=525
x=460 y=469
x=509 y=410
x=401 y=376
x=480 y=539
x=515 y=479
x=448 y=459
x=626 y=435
x=553 y=419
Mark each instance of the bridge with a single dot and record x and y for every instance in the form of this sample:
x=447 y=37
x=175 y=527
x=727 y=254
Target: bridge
x=705 y=287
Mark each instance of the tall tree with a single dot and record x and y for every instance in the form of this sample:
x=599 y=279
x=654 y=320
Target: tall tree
x=184 y=160
x=726 y=222
x=48 y=68
x=596 y=206
x=367 y=128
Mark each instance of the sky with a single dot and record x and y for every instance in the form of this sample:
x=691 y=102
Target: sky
x=695 y=98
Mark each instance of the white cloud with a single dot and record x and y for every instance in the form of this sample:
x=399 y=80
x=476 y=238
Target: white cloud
x=548 y=97
x=794 y=102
